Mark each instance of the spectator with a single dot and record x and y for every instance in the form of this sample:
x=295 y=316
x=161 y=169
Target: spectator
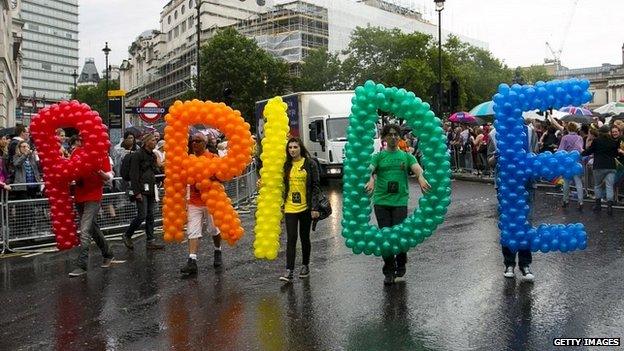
x=60 y=135
x=160 y=155
x=22 y=134
x=572 y=142
x=74 y=142
x=549 y=140
x=25 y=171
x=199 y=220
x=143 y=170
x=4 y=176
x=126 y=145
x=88 y=194
x=605 y=149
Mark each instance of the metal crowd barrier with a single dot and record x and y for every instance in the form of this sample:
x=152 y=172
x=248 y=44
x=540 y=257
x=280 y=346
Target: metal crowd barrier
x=29 y=219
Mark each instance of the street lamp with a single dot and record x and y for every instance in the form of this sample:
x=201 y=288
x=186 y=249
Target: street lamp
x=198 y=4
x=75 y=75
x=106 y=51
x=439 y=7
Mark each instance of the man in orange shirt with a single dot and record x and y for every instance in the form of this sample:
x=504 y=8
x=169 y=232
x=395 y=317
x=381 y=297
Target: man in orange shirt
x=199 y=220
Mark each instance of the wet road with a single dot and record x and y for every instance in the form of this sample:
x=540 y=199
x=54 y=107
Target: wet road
x=454 y=298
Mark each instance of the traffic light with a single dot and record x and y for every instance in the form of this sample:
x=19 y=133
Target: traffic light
x=453 y=98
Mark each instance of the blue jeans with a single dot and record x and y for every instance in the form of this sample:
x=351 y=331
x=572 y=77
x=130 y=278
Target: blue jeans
x=89 y=229
x=578 y=182
x=608 y=175
x=145 y=212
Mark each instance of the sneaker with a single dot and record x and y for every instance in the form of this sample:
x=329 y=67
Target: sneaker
x=526 y=273
x=389 y=279
x=305 y=272
x=564 y=204
x=107 y=262
x=151 y=245
x=288 y=277
x=610 y=208
x=400 y=272
x=597 y=206
x=190 y=268
x=77 y=272
x=580 y=207
x=509 y=272
x=218 y=260
x=128 y=242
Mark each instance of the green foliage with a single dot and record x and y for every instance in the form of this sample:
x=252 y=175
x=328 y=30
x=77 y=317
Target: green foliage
x=320 y=71
x=230 y=60
x=534 y=74
x=95 y=96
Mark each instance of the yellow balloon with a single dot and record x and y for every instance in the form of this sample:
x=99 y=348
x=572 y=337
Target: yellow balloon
x=268 y=229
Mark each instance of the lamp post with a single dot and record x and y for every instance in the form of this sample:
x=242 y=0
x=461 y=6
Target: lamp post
x=106 y=51
x=198 y=85
x=75 y=75
x=439 y=7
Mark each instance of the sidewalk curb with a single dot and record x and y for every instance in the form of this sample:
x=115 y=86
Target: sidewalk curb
x=469 y=178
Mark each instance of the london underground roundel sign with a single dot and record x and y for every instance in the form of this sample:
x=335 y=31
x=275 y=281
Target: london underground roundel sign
x=150 y=110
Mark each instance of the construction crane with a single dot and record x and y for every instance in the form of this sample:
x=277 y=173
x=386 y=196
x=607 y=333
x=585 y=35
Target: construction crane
x=557 y=54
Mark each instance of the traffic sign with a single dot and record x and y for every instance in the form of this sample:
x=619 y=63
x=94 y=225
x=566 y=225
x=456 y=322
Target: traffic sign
x=150 y=110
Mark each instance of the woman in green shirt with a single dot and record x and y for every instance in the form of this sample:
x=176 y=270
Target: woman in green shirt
x=389 y=185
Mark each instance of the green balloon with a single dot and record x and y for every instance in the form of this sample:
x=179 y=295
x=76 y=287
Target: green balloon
x=360 y=235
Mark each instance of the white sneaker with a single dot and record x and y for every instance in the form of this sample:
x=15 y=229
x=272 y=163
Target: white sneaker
x=509 y=272
x=526 y=274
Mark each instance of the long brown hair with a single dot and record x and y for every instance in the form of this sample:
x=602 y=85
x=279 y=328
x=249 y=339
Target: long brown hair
x=289 y=159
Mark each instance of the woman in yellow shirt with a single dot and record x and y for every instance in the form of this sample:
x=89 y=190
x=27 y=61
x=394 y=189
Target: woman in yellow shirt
x=301 y=197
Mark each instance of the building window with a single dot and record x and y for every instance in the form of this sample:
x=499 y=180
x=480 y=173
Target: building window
x=169 y=19
x=175 y=15
x=190 y=22
x=33 y=26
x=169 y=35
x=182 y=10
x=190 y=4
x=176 y=31
x=46 y=66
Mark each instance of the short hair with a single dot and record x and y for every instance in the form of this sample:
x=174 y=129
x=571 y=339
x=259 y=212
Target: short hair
x=572 y=127
x=388 y=127
x=127 y=133
x=201 y=136
x=19 y=129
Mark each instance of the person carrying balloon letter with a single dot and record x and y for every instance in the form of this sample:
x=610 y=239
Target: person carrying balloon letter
x=143 y=170
x=88 y=198
x=301 y=200
x=199 y=220
x=390 y=188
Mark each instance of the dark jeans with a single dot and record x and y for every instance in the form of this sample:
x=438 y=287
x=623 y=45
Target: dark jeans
x=145 y=212
x=89 y=229
x=387 y=216
x=524 y=258
x=304 y=220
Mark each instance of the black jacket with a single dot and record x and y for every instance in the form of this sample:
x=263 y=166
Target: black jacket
x=313 y=188
x=143 y=170
x=605 y=150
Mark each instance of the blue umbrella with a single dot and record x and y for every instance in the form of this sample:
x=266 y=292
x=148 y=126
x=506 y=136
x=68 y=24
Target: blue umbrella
x=484 y=109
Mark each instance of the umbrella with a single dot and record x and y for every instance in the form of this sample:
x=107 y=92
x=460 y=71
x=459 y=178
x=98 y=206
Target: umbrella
x=582 y=119
x=7 y=131
x=573 y=110
x=533 y=115
x=462 y=117
x=485 y=109
x=612 y=109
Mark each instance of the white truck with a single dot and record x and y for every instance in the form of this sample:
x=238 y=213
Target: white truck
x=320 y=119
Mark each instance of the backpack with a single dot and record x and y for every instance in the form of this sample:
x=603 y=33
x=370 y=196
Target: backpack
x=124 y=169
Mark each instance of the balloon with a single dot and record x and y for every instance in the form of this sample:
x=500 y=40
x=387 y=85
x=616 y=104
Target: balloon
x=517 y=167
x=59 y=172
x=204 y=172
x=360 y=236
x=270 y=200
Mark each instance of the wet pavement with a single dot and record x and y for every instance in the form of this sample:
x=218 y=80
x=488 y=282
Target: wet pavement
x=454 y=296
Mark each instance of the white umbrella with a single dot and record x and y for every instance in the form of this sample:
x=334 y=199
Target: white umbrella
x=611 y=109
x=533 y=115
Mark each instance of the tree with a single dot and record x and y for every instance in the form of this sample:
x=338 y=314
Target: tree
x=230 y=60
x=534 y=74
x=95 y=96
x=320 y=71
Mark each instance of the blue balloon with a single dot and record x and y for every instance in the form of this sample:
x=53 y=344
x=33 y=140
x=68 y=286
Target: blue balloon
x=516 y=166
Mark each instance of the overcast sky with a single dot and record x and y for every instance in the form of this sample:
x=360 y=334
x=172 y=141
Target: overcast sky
x=516 y=30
